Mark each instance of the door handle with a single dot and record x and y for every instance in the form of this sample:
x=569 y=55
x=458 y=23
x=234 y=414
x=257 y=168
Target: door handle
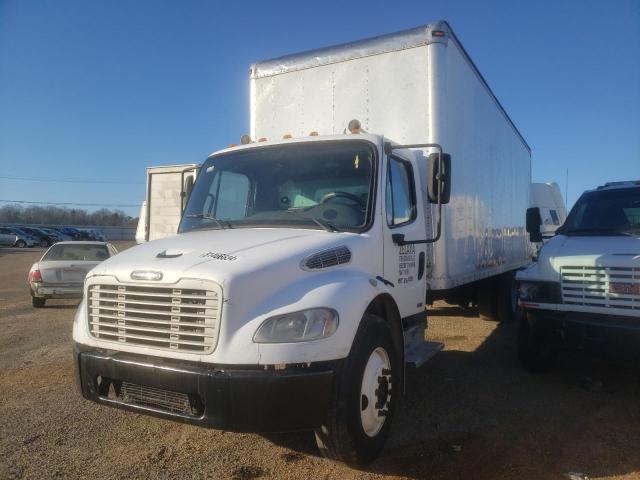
x=421 y=264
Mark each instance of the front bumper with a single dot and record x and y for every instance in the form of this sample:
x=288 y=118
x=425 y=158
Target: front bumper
x=247 y=400
x=589 y=330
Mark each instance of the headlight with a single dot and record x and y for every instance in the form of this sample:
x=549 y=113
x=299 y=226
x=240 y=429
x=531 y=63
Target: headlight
x=540 y=292
x=302 y=326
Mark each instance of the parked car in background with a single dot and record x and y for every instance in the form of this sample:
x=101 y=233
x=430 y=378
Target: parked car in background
x=24 y=239
x=8 y=239
x=61 y=270
x=45 y=239
x=64 y=237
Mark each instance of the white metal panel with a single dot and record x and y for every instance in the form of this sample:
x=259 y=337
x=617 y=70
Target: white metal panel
x=386 y=92
x=483 y=226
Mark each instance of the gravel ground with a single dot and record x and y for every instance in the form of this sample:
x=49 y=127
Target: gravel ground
x=469 y=413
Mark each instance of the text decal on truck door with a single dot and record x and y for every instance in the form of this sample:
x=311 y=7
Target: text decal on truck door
x=406 y=264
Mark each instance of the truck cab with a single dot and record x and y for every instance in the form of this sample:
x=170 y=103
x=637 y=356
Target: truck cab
x=584 y=289
x=286 y=292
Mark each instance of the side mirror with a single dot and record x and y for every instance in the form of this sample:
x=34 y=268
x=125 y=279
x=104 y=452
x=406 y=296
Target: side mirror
x=534 y=220
x=439 y=179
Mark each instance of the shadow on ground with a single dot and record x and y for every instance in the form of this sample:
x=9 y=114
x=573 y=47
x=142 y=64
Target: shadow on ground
x=479 y=415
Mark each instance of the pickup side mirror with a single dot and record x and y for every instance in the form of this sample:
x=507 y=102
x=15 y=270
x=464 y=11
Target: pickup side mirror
x=534 y=220
x=439 y=179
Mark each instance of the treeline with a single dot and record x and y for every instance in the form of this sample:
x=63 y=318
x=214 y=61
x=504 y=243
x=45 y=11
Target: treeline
x=52 y=215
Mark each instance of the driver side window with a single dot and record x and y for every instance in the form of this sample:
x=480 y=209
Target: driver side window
x=400 y=194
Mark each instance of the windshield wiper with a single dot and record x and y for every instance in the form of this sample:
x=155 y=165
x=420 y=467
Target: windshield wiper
x=329 y=227
x=595 y=231
x=217 y=221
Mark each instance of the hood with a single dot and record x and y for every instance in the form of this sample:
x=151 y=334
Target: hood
x=587 y=251
x=224 y=253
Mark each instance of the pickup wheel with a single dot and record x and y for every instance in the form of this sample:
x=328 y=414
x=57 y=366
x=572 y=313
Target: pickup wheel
x=38 y=302
x=537 y=350
x=365 y=394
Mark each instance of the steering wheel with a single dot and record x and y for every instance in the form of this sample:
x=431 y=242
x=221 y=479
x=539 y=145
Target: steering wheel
x=331 y=195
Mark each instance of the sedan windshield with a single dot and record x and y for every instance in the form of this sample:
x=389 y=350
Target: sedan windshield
x=605 y=212
x=323 y=185
x=87 y=252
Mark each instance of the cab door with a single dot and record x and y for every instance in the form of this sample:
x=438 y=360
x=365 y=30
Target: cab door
x=404 y=265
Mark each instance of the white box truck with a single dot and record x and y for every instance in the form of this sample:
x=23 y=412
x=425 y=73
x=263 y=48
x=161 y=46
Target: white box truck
x=294 y=294
x=168 y=188
x=584 y=289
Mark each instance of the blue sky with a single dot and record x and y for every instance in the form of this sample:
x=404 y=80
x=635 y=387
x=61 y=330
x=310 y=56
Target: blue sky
x=100 y=90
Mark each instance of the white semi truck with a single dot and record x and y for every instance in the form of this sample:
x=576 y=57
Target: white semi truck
x=584 y=289
x=553 y=212
x=294 y=293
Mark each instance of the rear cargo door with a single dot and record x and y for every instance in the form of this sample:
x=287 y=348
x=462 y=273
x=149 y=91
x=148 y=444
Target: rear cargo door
x=404 y=266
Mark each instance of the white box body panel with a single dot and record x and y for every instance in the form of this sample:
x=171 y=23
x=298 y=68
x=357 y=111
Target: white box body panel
x=415 y=89
x=163 y=205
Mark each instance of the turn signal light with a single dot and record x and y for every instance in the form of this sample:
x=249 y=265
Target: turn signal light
x=313 y=134
x=262 y=139
x=287 y=135
x=437 y=33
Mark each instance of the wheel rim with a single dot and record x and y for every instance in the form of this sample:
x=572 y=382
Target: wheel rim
x=375 y=392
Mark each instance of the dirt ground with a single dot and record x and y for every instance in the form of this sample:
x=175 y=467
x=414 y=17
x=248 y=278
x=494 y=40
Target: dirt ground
x=470 y=413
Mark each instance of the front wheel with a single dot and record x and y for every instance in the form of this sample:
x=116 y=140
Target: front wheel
x=44 y=243
x=21 y=243
x=365 y=394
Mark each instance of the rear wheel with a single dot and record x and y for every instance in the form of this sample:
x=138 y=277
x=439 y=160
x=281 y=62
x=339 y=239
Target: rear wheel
x=38 y=302
x=507 y=297
x=487 y=305
x=44 y=243
x=365 y=394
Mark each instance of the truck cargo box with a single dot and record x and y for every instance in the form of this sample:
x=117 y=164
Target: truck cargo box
x=416 y=86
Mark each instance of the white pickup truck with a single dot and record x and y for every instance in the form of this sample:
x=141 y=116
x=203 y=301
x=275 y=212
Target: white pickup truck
x=584 y=289
x=294 y=293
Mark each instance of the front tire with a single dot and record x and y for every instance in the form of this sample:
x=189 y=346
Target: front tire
x=38 y=302
x=21 y=243
x=365 y=394
x=44 y=243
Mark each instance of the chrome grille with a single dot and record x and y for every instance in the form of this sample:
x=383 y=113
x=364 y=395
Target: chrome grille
x=158 y=317
x=591 y=286
x=328 y=258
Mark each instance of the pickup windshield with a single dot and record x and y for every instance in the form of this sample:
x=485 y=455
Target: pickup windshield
x=605 y=212
x=322 y=185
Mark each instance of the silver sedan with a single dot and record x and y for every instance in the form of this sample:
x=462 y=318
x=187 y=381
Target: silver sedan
x=61 y=270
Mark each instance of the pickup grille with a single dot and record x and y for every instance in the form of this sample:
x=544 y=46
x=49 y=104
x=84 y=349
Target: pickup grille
x=592 y=287
x=157 y=317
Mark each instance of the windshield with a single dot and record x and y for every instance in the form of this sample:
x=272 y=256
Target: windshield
x=605 y=212
x=92 y=253
x=323 y=185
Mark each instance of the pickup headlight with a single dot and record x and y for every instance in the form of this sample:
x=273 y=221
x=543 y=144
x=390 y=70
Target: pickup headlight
x=311 y=324
x=540 y=292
